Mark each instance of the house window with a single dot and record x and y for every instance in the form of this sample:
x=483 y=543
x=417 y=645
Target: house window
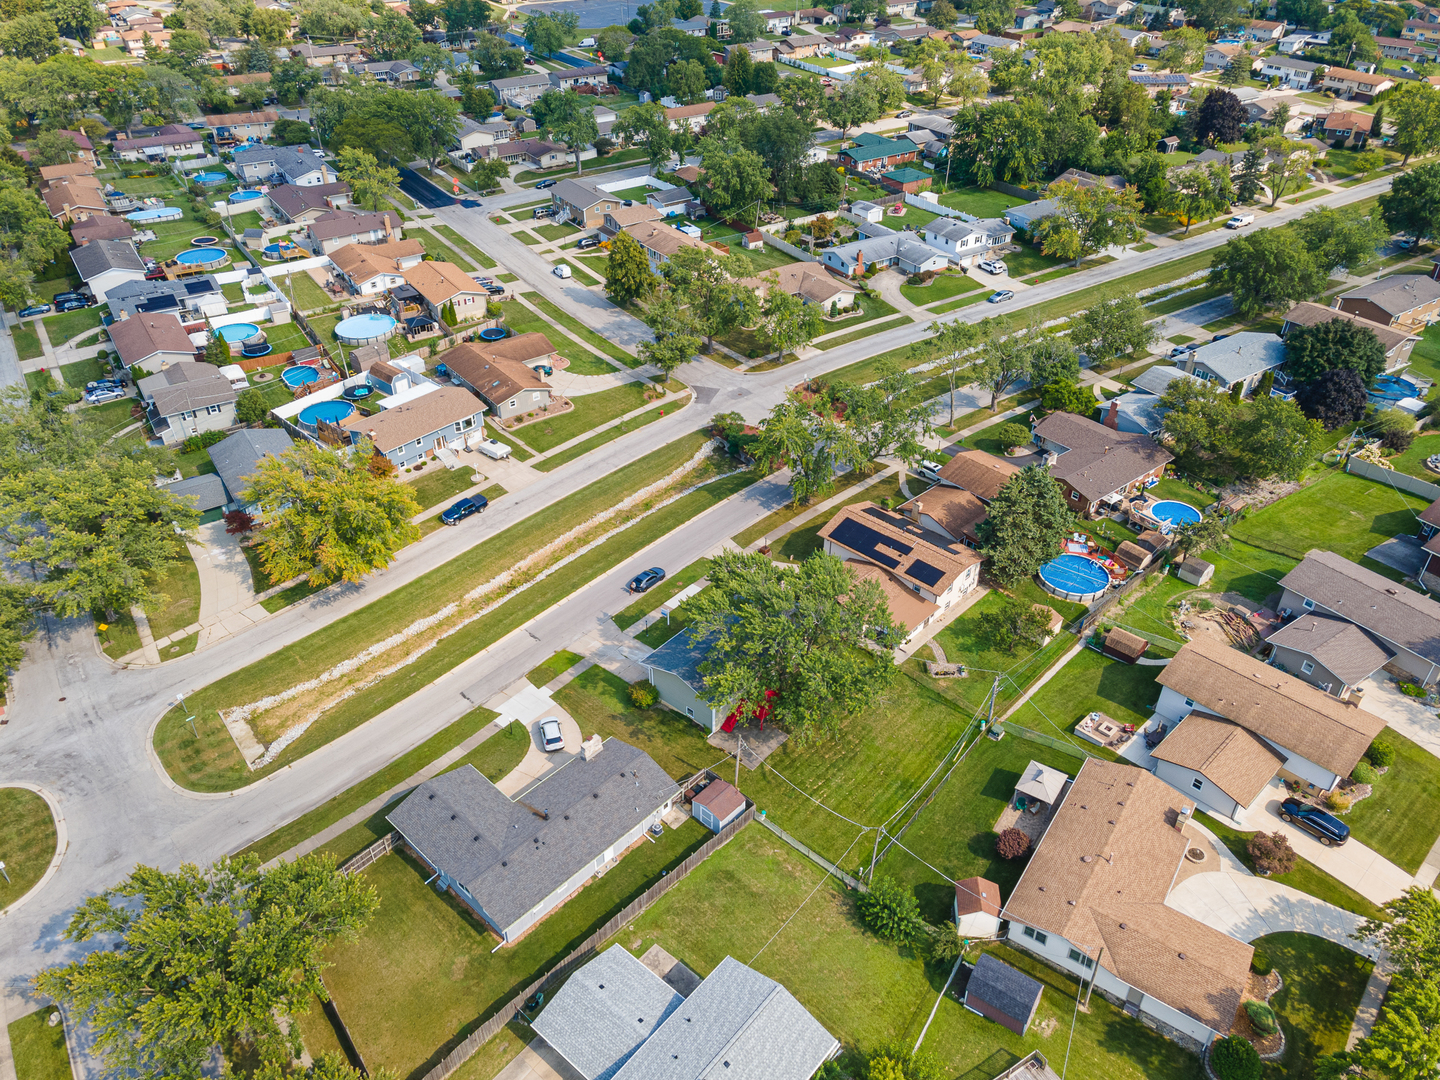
x=1189 y=704
x=1074 y=495
x=213 y=410
x=418 y=442
x=513 y=402
x=1197 y=784
x=1081 y=959
x=690 y=713
x=1307 y=667
x=1308 y=605
x=1029 y=931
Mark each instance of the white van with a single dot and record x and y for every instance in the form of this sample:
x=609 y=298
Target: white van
x=1239 y=221
x=561 y=271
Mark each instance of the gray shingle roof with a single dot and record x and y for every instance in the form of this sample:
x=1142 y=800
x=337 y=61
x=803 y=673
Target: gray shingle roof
x=603 y=1013
x=185 y=386
x=680 y=658
x=1002 y=987
x=1240 y=356
x=290 y=162
x=737 y=1025
x=1157 y=380
x=509 y=859
x=1396 y=295
x=1390 y=611
x=205 y=491
x=1344 y=648
x=96 y=257
x=235 y=457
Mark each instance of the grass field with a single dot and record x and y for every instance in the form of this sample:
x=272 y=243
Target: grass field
x=61 y=328
x=479 y=257
x=29 y=841
x=864 y=332
x=1341 y=513
x=589 y=412
x=1090 y=683
x=982 y=202
x=39 y=1050
x=1324 y=983
x=610 y=434
x=647 y=602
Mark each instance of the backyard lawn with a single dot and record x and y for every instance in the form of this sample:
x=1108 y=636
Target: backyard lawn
x=982 y=202
x=589 y=412
x=1412 y=461
x=1090 y=683
x=29 y=841
x=39 y=1050
x=1341 y=513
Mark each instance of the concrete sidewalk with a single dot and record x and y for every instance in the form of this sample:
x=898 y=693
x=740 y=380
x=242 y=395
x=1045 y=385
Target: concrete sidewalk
x=227 y=593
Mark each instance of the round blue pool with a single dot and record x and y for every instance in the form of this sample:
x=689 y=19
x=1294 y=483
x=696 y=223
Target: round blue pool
x=365 y=329
x=1175 y=512
x=1075 y=577
x=239 y=331
x=201 y=256
x=332 y=412
x=300 y=375
x=157 y=213
x=209 y=178
x=246 y=196
x=1393 y=388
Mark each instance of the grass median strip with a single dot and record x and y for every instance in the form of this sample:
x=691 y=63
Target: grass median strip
x=481 y=259
x=864 y=332
x=601 y=438
x=584 y=333
x=29 y=842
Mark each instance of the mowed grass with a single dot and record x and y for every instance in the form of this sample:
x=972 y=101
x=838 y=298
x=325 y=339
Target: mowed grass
x=438 y=483
x=38 y=1049
x=941 y=288
x=180 y=585
x=1401 y=818
x=610 y=434
x=647 y=602
x=1089 y=683
x=481 y=259
x=1324 y=983
x=584 y=333
x=29 y=842
x=1341 y=513
x=556 y=666
x=588 y=413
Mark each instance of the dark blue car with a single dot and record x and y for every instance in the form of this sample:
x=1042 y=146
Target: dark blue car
x=648 y=579
x=464 y=508
x=1325 y=827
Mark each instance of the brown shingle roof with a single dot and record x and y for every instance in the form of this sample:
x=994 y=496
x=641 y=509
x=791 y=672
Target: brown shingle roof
x=494 y=377
x=391 y=429
x=1125 y=644
x=294 y=200
x=624 y=216
x=69 y=168
x=920 y=546
x=1280 y=708
x=264 y=116
x=336 y=223
x=662 y=239
x=1431 y=514
x=1100 y=460
x=520 y=349
x=141 y=336
x=1121 y=819
x=438 y=282
x=1341 y=646
x=978 y=472
x=808 y=280
x=1307 y=314
x=1388 y=610
x=1347 y=121
x=101 y=227
x=1237 y=762
x=976 y=896
x=907 y=607
x=721 y=798
x=365 y=261
x=956 y=511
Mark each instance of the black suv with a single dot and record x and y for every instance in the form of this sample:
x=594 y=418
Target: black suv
x=1325 y=827
x=463 y=509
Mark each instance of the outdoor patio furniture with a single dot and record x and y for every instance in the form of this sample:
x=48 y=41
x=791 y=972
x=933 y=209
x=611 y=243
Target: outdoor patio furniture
x=1155 y=738
x=1129 y=729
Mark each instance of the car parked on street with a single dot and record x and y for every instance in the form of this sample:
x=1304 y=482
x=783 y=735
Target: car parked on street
x=34 y=309
x=461 y=510
x=1001 y=296
x=543 y=184
x=1324 y=826
x=647 y=580
x=550 y=737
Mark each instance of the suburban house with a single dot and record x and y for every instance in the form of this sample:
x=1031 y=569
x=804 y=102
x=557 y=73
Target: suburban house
x=735 y=1015
x=520 y=91
x=283 y=165
x=104 y=264
x=371 y=269
x=670 y=201
x=390 y=72
x=228 y=128
x=810 y=281
x=999 y=992
x=74 y=197
x=952 y=512
x=415 y=429
x=151 y=340
x=187 y=298
x=977 y=908
x=1397 y=343
x=932 y=127
x=537 y=153
x=1355 y=85
x=985 y=44
x=963 y=240
x=237 y=456
x=1218 y=57
x=471 y=135
x=1092 y=902
x=661 y=241
x=84 y=149
x=1301 y=40
x=331 y=231
x=622 y=217
x=1097 y=466
x=1242 y=722
x=1240 y=358
x=325 y=55
x=302 y=205
x=870 y=152
x=101 y=228
x=1139 y=410
x=184 y=398
x=589 y=75
x=1026 y=216
x=883 y=247
x=922 y=572
x=1261 y=30
x=975 y=471
x=1352 y=127
x=1400 y=49
x=1407 y=302
x=1326 y=652
x=233 y=83
x=441 y=283
x=1405 y=622
x=169 y=141
x=512 y=865
x=690 y=116
x=1296 y=74
x=503 y=373
x=674 y=670
x=583 y=203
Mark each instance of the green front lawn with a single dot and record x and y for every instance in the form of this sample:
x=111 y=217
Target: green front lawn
x=39 y=1050
x=1401 y=818
x=181 y=608
x=437 y=484
x=81 y=372
x=941 y=288
x=1324 y=983
x=27 y=341
x=477 y=256
x=588 y=413
x=61 y=328
x=29 y=843
x=610 y=434
x=556 y=232
x=1030 y=260
x=583 y=333
x=1340 y=513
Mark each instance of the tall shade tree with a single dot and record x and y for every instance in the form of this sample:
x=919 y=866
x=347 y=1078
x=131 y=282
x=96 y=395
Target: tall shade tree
x=1414 y=109
x=1086 y=221
x=1286 y=167
x=391 y=36
x=1112 y=325
x=1405 y=1042
x=853 y=103
x=328 y=518
x=627 y=270
x=371 y=183
x=1201 y=191
x=647 y=126
x=811 y=442
x=733 y=182
x=1334 y=397
x=545 y=33
x=954 y=342
x=1311 y=351
x=1409 y=932
x=206 y=957
x=1004 y=361
x=1275 y=439
x=1220 y=118
x=1266 y=270
x=746 y=22
x=711 y=286
x=793 y=641
x=75 y=19
x=1342 y=237
x=1027 y=521
x=33 y=37
x=788 y=321
x=1412 y=205
x=570 y=117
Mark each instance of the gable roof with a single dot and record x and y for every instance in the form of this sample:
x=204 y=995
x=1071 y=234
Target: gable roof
x=185 y=385
x=264 y=116
x=955 y=510
x=1341 y=646
x=505 y=856
x=1397 y=294
x=1360 y=77
x=287 y=160
x=1003 y=988
x=1362 y=596
x=237 y=457
x=662 y=239
x=1121 y=818
x=1280 y=708
x=142 y=336
x=392 y=428
x=977 y=896
x=101 y=227
x=680 y=658
x=498 y=374
x=336 y=223
x=906 y=606
x=293 y=199
x=581 y=193
x=1235 y=760
x=918 y=556
x=870 y=147
x=1240 y=356
x=1157 y=380
x=1308 y=314
x=809 y=280
x=978 y=472
x=205 y=490
x=98 y=256
x=1099 y=460
x=438 y=282
x=365 y=261
x=1347 y=121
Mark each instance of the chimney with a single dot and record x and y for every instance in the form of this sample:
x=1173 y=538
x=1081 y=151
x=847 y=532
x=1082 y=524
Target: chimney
x=1112 y=418
x=914 y=509
x=591 y=746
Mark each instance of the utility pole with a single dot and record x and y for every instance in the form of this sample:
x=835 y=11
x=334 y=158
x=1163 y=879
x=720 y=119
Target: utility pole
x=1095 y=972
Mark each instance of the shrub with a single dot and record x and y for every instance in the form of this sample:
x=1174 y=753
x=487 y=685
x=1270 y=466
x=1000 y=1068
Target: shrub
x=1012 y=844
x=1233 y=1058
x=1380 y=754
x=238 y=523
x=1262 y=1017
x=1364 y=773
x=1260 y=963
x=1272 y=853
x=202 y=441
x=1398 y=441
x=1409 y=689
x=643 y=695
x=1013 y=435
x=943 y=942
x=890 y=910
x=1337 y=802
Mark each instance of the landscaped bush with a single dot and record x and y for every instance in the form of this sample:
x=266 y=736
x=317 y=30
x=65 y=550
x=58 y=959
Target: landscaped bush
x=1233 y=1058
x=890 y=910
x=1380 y=754
x=1260 y=963
x=1262 y=1017
x=202 y=441
x=1012 y=844
x=1013 y=435
x=1409 y=689
x=643 y=695
x=1272 y=853
x=1364 y=773
x=1337 y=802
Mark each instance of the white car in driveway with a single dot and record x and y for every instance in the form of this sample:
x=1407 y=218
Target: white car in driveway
x=993 y=266
x=493 y=448
x=551 y=738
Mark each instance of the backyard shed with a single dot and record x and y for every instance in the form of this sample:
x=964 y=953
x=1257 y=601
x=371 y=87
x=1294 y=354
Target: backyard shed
x=998 y=991
x=718 y=805
x=977 y=908
x=1133 y=556
x=1124 y=646
x=1195 y=571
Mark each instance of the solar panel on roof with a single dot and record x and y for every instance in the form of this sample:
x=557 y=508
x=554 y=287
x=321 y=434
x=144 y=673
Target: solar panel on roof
x=864 y=541
x=923 y=572
x=888 y=541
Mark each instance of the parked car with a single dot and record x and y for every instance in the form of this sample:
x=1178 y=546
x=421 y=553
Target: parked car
x=993 y=266
x=494 y=448
x=459 y=511
x=34 y=309
x=1139 y=67
x=104 y=384
x=1180 y=350
x=99 y=397
x=588 y=242
x=930 y=470
x=470 y=204
x=1001 y=296
x=71 y=305
x=543 y=184
x=529 y=61
x=544 y=211
x=1239 y=221
x=1326 y=827
x=61 y=297
x=647 y=580
x=550 y=737
x=904 y=113
x=493 y=289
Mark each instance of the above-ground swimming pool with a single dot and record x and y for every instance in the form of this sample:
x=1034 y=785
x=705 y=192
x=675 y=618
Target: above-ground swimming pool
x=246 y=196
x=203 y=258
x=1175 y=512
x=300 y=375
x=1393 y=388
x=1075 y=577
x=204 y=241
x=239 y=331
x=209 y=179
x=332 y=412
x=156 y=213
x=365 y=329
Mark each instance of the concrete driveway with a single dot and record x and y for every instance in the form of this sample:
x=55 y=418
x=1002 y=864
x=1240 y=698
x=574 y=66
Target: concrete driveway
x=538 y=1061
x=1411 y=717
x=529 y=705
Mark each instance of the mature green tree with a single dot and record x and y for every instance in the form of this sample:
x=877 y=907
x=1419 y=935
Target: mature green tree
x=292 y=133
x=1028 y=518
x=328 y=1066
x=890 y=909
x=52 y=148
x=710 y=285
x=1352 y=43
x=1201 y=191
x=570 y=117
x=783 y=142
x=1207 y=534
x=612 y=42
x=1220 y=118
x=546 y=33
x=1333 y=397
x=294 y=80
x=1062 y=395
x=1003 y=362
x=270 y=26
x=627 y=270
x=1405 y=1043
x=886 y=418
x=429 y=118
x=76 y=19
x=1015 y=622
x=733 y=183
x=1275 y=439
x=1409 y=932
x=1198 y=421
x=1251 y=175
x=380 y=139
x=184 y=50
x=251 y=406
x=1412 y=205
x=746 y=23
x=686 y=81
x=1184 y=49
x=668 y=351
x=33 y=37
x=1265 y=270
x=789 y=323
x=328 y=518
x=1114 y=324
x=1086 y=221
x=793 y=641
x=371 y=184
x=952 y=346
x=494 y=54
x=853 y=103
x=738 y=70
x=1339 y=237
x=889 y=86
x=1288 y=167
x=172 y=94
x=811 y=442
x=1414 y=109
x=1310 y=351
x=224 y=955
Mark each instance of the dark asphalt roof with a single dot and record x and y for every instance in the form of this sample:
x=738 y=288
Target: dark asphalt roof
x=1002 y=987
x=235 y=457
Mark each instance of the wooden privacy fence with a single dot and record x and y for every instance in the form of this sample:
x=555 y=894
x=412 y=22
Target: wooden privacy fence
x=383 y=846
x=491 y=1027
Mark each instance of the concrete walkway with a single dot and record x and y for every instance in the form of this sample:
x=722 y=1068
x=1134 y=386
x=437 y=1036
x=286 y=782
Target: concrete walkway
x=148 y=650
x=227 y=593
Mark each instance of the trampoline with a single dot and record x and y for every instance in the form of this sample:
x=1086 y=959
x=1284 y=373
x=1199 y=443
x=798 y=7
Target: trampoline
x=1075 y=577
x=300 y=375
x=493 y=333
x=355 y=393
x=206 y=258
x=204 y=241
x=262 y=349
x=1175 y=512
x=240 y=331
x=332 y=412
x=1392 y=388
x=246 y=196
x=210 y=179
x=365 y=329
x=156 y=213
